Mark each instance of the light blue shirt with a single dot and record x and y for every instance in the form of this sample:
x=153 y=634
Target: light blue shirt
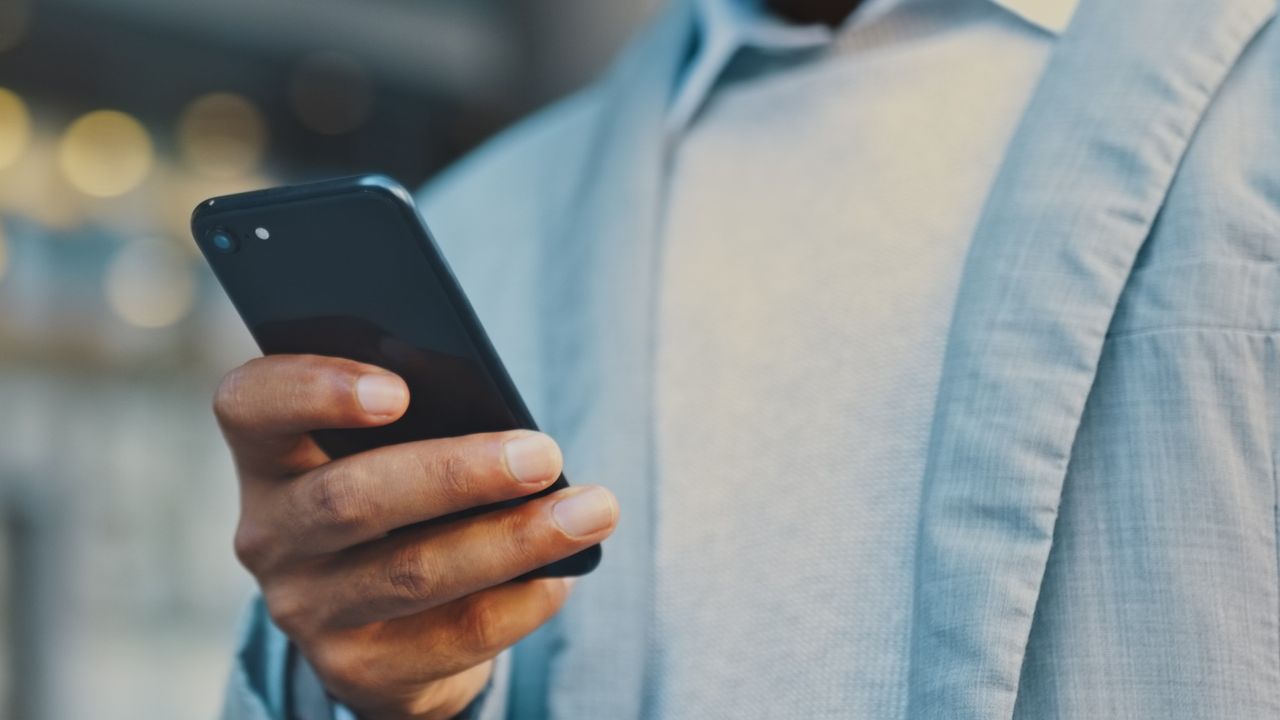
x=728 y=26
x=1097 y=528
x=824 y=186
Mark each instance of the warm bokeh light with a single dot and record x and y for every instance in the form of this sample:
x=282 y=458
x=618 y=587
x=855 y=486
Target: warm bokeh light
x=15 y=128
x=150 y=284
x=106 y=153
x=331 y=93
x=222 y=135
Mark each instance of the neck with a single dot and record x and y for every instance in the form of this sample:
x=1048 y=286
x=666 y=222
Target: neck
x=808 y=12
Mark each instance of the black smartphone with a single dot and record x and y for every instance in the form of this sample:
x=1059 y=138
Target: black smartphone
x=347 y=268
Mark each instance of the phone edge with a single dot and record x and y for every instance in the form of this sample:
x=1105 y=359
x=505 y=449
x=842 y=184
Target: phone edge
x=579 y=563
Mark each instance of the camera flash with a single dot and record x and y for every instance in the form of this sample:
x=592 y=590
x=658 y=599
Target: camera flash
x=262 y=233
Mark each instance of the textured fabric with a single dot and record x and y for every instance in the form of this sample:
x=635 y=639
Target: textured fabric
x=1099 y=533
x=805 y=298
x=1083 y=182
x=1162 y=576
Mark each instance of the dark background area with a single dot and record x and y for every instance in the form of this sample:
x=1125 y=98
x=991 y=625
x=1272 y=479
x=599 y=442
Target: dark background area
x=118 y=589
x=440 y=76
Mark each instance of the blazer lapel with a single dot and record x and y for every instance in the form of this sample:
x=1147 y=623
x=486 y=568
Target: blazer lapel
x=599 y=271
x=1081 y=185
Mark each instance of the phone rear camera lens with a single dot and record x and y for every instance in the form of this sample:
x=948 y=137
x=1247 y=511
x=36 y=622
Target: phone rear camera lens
x=223 y=241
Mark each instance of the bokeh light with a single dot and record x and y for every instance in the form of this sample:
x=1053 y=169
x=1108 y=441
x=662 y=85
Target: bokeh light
x=331 y=93
x=150 y=284
x=15 y=16
x=15 y=128
x=222 y=135
x=106 y=154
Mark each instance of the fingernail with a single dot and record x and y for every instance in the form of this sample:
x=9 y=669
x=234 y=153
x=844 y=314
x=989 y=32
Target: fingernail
x=381 y=394
x=569 y=582
x=585 y=512
x=532 y=458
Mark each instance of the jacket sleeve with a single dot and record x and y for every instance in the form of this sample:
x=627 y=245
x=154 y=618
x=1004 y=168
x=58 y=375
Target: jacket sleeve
x=257 y=687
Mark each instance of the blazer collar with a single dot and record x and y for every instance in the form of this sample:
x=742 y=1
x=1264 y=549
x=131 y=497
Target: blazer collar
x=1081 y=184
x=599 y=270
x=1079 y=189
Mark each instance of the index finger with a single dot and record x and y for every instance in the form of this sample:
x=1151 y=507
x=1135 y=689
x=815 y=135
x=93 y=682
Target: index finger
x=267 y=406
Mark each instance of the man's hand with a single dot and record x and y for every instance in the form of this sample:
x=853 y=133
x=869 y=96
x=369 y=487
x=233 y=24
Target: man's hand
x=403 y=625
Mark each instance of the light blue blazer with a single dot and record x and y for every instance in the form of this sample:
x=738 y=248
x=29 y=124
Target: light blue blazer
x=1099 y=536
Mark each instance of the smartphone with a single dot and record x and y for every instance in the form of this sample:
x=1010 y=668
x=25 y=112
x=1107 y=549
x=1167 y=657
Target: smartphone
x=347 y=268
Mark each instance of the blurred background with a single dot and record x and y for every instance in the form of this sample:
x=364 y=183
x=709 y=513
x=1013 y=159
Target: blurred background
x=118 y=590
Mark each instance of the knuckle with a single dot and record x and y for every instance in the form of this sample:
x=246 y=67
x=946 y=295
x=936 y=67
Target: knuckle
x=451 y=470
x=413 y=576
x=252 y=545
x=312 y=372
x=341 y=667
x=331 y=374
x=337 y=500
x=308 y=388
x=522 y=542
x=289 y=609
x=481 y=627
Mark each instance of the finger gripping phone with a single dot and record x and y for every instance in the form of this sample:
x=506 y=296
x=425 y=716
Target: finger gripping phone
x=346 y=268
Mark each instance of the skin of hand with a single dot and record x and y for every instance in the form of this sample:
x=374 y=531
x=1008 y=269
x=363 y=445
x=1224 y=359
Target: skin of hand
x=398 y=625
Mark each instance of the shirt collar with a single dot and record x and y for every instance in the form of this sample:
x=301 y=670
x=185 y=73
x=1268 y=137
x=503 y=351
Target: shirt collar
x=1052 y=16
x=724 y=26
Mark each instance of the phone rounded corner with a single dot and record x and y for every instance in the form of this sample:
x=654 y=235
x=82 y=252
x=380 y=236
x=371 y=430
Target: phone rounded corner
x=387 y=185
x=199 y=213
x=591 y=558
